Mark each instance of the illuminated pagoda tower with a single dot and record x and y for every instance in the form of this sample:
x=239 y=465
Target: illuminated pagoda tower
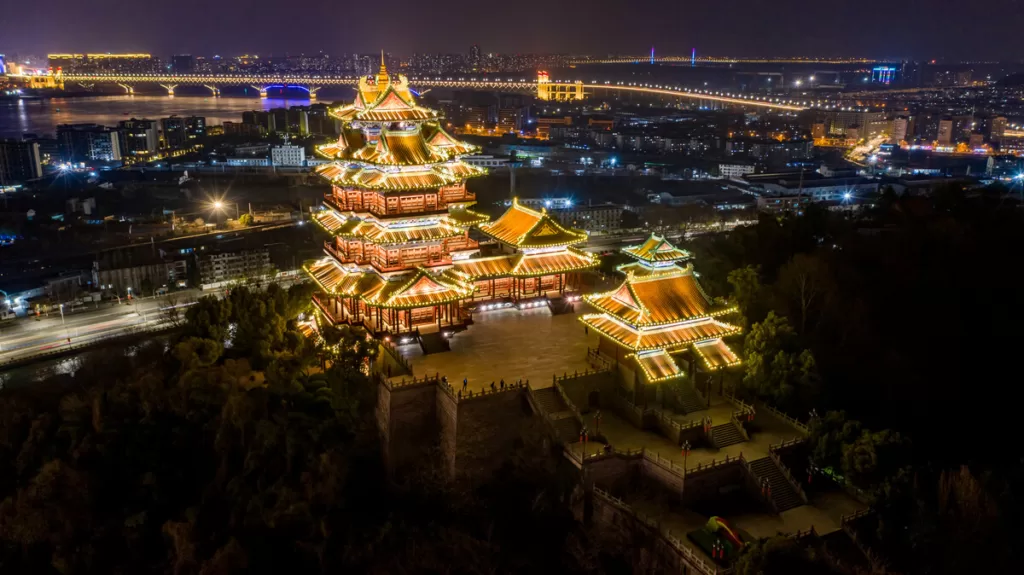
x=660 y=315
x=537 y=258
x=398 y=213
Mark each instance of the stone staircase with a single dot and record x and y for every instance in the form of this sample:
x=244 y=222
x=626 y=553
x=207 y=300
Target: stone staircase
x=568 y=429
x=689 y=401
x=726 y=434
x=551 y=403
x=783 y=494
x=434 y=343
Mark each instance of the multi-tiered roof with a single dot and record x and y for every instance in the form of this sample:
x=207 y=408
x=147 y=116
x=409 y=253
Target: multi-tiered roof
x=660 y=310
x=398 y=185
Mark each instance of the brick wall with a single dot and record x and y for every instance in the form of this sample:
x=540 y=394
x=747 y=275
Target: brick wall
x=488 y=429
x=408 y=422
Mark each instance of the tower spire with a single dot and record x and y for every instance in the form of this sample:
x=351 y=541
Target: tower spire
x=382 y=75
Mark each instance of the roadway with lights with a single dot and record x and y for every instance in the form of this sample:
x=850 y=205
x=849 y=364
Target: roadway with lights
x=312 y=83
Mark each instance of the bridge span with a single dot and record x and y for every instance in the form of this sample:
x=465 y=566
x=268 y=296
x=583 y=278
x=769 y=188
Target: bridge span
x=542 y=86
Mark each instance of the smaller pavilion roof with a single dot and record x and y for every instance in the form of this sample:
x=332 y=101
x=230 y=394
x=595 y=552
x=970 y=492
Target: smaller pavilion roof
x=715 y=354
x=657 y=299
x=657 y=250
x=669 y=338
x=522 y=227
x=421 y=289
x=525 y=265
x=658 y=366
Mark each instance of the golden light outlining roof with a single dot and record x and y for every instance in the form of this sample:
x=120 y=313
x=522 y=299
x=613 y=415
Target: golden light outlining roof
x=522 y=227
x=421 y=289
x=657 y=365
x=657 y=250
x=382 y=98
x=716 y=355
x=398 y=179
x=669 y=338
x=664 y=298
x=525 y=265
x=660 y=309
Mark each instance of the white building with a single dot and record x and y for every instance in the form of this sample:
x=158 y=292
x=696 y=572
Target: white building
x=288 y=155
x=482 y=161
x=248 y=162
x=735 y=170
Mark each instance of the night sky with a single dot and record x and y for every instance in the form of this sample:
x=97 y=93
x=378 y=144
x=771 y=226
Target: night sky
x=896 y=28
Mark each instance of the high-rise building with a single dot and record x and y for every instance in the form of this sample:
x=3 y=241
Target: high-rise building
x=510 y=119
x=900 y=128
x=264 y=120
x=195 y=127
x=870 y=123
x=996 y=128
x=140 y=137
x=82 y=142
x=126 y=63
x=474 y=56
x=19 y=162
x=173 y=131
x=944 y=136
x=477 y=118
x=182 y=64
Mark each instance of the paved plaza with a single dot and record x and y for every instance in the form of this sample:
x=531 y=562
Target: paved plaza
x=509 y=344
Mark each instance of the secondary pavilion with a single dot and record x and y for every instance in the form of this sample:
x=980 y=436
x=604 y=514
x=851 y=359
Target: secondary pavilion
x=659 y=316
x=538 y=258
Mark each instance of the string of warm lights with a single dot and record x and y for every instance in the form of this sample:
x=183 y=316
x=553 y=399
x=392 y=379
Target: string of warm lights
x=713 y=366
x=541 y=216
x=651 y=376
x=590 y=320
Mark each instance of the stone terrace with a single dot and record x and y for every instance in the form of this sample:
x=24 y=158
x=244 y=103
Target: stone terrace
x=511 y=344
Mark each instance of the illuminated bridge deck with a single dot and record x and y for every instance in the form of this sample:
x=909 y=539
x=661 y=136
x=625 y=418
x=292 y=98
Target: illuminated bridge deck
x=505 y=83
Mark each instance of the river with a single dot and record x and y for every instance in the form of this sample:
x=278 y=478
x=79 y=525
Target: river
x=42 y=117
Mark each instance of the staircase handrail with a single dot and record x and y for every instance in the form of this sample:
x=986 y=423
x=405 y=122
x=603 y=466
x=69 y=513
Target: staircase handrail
x=395 y=355
x=509 y=387
x=734 y=417
x=597 y=356
x=789 y=476
x=697 y=561
x=730 y=396
x=568 y=403
x=665 y=463
x=791 y=420
x=786 y=443
x=757 y=480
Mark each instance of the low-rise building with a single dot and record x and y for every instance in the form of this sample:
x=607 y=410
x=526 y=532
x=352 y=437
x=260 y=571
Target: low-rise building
x=229 y=266
x=601 y=218
x=734 y=170
x=288 y=155
x=485 y=161
x=138 y=278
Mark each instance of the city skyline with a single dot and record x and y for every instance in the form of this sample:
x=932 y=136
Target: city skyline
x=747 y=28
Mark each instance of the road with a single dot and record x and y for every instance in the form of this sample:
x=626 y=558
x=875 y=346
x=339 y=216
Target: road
x=26 y=337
